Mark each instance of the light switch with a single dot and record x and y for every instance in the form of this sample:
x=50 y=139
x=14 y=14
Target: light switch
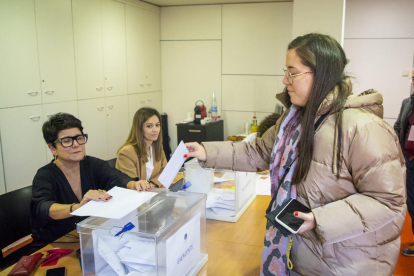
x=406 y=73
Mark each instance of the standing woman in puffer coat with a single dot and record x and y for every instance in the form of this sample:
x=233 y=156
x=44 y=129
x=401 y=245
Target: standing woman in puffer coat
x=345 y=165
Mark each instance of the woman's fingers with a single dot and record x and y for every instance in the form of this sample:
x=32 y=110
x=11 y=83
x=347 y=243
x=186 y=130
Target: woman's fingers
x=97 y=195
x=195 y=150
x=309 y=219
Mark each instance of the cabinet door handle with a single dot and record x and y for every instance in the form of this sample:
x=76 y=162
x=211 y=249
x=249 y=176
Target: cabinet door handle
x=35 y=118
x=34 y=93
x=142 y=85
x=109 y=87
x=150 y=101
x=149 y=84
x=194 y=130
x=100 y=108
x=111 y=106
x=48 y=115
x=49 y=92
x=99 y=88
x=142 y=102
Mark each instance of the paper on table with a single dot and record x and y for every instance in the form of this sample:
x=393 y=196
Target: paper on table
x=123 y=202
x=173 y=166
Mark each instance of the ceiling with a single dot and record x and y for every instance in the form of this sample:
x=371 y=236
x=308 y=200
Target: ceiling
x=205 y=2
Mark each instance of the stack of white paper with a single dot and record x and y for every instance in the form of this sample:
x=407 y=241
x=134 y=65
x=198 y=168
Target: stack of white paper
x=119 y=257
x=138 y=256
x=221 y=202
x=225 y=177
x=124 y=201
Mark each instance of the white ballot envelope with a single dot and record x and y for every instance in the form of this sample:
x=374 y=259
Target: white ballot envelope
x=173 y=166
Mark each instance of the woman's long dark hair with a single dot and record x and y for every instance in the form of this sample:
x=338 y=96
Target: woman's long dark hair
x=327 y=60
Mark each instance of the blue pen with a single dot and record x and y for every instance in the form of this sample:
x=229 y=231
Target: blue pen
x=126 y=228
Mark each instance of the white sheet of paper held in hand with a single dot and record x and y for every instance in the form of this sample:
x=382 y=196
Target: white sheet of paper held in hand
x=173 y=166
x=124 y=201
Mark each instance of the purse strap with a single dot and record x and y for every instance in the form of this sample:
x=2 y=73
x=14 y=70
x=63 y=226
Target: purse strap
x=199 y=101
x=269 y=208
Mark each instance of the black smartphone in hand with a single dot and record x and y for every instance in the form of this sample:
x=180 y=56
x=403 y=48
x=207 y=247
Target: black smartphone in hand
x=288 y=220
x=60 y=271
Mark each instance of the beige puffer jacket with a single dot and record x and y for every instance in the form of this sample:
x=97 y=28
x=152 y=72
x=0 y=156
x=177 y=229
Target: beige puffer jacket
x=359 y=217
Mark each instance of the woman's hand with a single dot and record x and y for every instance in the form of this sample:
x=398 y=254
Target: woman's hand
x=309 y=223
x=143 y=185
x=97 y=195
x=196 y=150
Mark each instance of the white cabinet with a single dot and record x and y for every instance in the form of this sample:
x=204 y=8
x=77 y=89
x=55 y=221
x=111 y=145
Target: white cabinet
x=136 y=101
x=105 y=120
x=87 y=28
x=255 y=37
x=117 y=123
x=251 y=93
x=23 y=144
x=100 y=50
x=114 y=48
x=19 y=66
x=53 y=108
x=143 y=50
x=56 y=51
x=92 y=113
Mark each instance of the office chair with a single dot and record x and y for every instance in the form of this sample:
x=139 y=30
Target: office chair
x=15 y=225
x=112 y=162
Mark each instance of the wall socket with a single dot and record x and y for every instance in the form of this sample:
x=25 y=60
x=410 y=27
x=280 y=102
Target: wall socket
x=406 y=73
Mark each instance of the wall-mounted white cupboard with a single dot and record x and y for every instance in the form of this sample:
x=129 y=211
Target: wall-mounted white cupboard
x=22 y=144
x=56 y=53
x=71 y=56
x=100 y=49
x=136 y=101
x=105 y=120
x=19 y=66
x=143 y=50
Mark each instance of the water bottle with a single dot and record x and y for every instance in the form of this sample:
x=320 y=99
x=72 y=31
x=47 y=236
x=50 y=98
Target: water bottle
x=214 y=115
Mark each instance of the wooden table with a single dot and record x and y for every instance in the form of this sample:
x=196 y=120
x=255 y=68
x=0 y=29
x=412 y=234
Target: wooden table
x=232 y=248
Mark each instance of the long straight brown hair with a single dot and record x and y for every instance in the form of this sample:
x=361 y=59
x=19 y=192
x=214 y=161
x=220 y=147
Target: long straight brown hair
x=136 y=134
x=327 y=60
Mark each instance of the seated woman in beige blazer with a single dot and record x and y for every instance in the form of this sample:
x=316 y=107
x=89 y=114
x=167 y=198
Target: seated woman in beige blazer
x=142 y=156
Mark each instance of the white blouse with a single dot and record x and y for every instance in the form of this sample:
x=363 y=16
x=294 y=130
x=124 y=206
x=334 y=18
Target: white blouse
x=150 y=165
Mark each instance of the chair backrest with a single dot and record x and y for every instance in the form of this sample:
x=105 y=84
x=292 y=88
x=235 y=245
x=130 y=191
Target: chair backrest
x=112 y=162
x=14 y=216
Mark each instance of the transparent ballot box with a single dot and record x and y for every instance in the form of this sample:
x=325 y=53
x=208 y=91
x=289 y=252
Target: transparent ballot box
x=229 y=193
x=168 y=238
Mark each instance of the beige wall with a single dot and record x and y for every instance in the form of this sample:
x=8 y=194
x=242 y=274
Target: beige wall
x=379 y=42
x=234 y=50
x=322 y=16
